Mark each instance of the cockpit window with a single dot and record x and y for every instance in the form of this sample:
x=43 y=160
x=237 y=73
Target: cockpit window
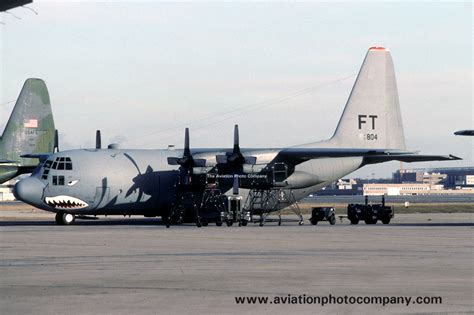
x=47 y=167
x=58 y=180
x=62 y=163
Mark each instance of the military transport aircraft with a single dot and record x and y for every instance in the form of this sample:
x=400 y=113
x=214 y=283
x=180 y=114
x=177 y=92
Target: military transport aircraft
x=29 y=130
x=176 y=184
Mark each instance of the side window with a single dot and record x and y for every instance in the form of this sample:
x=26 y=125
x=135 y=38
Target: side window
x=68 y=164
x=47 y=167
x=58 y=180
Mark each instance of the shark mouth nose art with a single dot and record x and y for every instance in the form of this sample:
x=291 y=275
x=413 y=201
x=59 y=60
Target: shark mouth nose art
x=65 y=202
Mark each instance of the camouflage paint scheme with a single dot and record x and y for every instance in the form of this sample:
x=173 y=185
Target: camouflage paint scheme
x=29 y=130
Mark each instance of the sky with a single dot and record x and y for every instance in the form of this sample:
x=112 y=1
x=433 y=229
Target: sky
x=143 y=71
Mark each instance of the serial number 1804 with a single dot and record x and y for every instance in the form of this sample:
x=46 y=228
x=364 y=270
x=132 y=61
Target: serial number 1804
x=371 y=136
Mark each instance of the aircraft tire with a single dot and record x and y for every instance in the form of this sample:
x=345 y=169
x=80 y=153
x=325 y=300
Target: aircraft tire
x=58 y=218
x=68 y=218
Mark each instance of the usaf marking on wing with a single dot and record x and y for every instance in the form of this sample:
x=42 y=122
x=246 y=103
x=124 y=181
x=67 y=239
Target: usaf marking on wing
x=175 y=183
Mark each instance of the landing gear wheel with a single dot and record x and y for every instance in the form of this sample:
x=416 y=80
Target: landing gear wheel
x=59 y=218
x=63 y=218
x=301 y=222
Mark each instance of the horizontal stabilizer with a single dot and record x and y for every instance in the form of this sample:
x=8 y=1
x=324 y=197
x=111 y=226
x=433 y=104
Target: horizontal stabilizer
x=409 y=158
x=8 y=162
x=464 y=133
x=41 y=156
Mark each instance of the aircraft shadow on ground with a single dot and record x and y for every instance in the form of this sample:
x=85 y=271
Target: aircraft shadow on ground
x=155 y=222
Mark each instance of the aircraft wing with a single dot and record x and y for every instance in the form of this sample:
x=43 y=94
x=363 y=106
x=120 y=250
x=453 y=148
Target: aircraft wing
x=298 y=155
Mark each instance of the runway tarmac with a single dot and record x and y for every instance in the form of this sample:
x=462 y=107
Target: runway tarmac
x=123 y=266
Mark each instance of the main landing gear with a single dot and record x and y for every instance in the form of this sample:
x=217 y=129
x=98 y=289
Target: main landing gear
x=63 y=218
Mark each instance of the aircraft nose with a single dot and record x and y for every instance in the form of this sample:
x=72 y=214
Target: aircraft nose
x=29 y=190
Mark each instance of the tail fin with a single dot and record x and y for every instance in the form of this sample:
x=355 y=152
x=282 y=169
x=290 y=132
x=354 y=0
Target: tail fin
x=371 y=118
x=30 y=128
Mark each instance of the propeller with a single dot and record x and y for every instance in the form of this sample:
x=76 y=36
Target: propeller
x=236 y=159
x=187 y=161
x=56 y=141
x=98 y=141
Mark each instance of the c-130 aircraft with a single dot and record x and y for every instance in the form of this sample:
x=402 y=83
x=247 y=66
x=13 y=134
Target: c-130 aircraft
x=112 y=181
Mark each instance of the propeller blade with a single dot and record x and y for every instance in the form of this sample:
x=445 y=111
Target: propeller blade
x=98 y=141
x=56 y=141
x=186 y=152
x=236 y=139
x=173 y=160
x=235 y=185
x=187 y=159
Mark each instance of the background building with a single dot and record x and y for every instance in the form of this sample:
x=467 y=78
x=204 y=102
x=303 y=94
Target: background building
x=449 y=177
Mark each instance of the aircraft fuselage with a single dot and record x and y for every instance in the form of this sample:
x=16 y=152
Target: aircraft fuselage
x=141 y=182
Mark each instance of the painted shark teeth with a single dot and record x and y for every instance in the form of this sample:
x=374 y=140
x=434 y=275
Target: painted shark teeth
x=65 y=202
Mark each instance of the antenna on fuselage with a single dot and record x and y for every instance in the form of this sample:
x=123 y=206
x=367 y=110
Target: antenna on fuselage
x=56 y=141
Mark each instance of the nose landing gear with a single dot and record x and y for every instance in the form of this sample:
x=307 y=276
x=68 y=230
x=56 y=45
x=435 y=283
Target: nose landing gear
x=63 y=218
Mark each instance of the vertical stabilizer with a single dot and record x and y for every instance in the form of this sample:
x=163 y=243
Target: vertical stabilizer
x=371 y=118
x=30 y=128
